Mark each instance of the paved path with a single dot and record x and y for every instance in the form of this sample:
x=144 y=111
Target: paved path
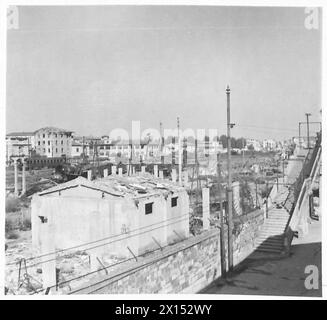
x=263 y=274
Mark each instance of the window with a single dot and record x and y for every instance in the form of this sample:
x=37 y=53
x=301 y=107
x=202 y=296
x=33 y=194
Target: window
x=39 y=143
x=174 y=201
x=62 y=142
x=48 y=142
x=43 y=141
x=49 y=150
x=148 y=208
x=77 y=149
x=56 y=150
x=62 y=149
x=43 y=135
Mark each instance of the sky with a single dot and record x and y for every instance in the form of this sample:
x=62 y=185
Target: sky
x=92 y=69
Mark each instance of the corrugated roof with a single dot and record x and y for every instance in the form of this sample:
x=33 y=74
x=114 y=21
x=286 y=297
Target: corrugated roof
x=136 y=186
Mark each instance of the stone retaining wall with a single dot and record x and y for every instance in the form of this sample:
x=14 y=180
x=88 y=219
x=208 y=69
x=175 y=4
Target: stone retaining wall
x=185 y=267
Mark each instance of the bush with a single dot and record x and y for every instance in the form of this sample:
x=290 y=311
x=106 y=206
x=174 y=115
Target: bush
x=25 y=220
x=12 y=235
x=26 y=224
x=11 y=224
x=12 y=205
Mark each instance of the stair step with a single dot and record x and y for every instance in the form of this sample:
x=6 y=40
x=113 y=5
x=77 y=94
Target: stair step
x=273 y=239
x=268 y=250
x=270 y=234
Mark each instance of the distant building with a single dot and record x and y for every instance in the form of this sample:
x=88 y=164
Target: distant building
x=53 y=142
x=254 y=144
x=19 y=145
x=269 y=145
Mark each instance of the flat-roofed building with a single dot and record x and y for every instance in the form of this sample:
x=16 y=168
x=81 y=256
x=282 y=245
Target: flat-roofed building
x=53 y=142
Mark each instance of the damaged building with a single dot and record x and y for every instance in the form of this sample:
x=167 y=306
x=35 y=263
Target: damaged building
x=119 y=214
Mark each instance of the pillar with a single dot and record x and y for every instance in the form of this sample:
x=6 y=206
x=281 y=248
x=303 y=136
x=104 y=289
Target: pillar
x=24 y=178
x=47 y=246
x=95 y=224
x=16 y=177
x=206 y=208
x=105 y=172
x=155 y=170
x=185 y=178
x=133 y=170
x=161 y=176
x=120 y=172
x=142 y=169
x=173 y=175
x=89 y=175
x=113 y=170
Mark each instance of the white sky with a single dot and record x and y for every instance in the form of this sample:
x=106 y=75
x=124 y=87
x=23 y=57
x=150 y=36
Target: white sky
x=93 y=69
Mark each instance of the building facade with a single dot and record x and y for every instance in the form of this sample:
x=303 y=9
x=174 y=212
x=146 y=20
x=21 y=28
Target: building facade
x=19 y=145
x=53 y=142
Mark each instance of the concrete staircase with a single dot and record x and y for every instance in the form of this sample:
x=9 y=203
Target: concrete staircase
x=271 y=238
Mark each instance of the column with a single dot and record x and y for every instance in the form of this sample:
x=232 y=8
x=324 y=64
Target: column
x=105 y=172
x=120 y=172
x=206 y=208
x=185 y=178
x=161 y=176
x=142 y=169
x=113 y=170
x=155 y=170
x=173 y=175
x=47 y=246
x=24 y=178
x=89 y=175
x=16 y=177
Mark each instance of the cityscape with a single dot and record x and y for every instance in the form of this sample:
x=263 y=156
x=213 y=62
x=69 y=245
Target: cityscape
x=187 y=182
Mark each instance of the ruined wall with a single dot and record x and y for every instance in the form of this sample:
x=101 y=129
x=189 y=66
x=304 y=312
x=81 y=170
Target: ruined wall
x=185 y=267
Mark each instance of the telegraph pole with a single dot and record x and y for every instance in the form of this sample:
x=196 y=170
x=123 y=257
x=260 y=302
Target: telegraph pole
x=179 y=154
x=229 y=186
x=221 y=219
x=308 y=136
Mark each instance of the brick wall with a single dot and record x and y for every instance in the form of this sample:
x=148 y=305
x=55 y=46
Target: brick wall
x=185 y=267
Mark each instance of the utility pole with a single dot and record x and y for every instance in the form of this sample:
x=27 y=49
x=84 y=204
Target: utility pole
x=161 y=144
x=229 y=186
x=221 y=219
x=299 y=134
x=308 y=136
x=179 y=155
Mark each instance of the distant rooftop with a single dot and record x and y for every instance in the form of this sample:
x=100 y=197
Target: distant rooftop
x=54 y=129
x=19 y=134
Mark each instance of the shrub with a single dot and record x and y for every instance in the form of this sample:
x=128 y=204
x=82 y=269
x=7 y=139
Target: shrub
x=12 y=205
x=26 y=224
x=12 y=235
x=11 y=223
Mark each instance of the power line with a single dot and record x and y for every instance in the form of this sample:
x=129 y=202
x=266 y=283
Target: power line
x=109 y=266
x=92 y=242
x=269 y=128
x=107 y=243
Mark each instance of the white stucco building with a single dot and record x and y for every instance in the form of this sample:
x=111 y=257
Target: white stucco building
x=120 y=213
